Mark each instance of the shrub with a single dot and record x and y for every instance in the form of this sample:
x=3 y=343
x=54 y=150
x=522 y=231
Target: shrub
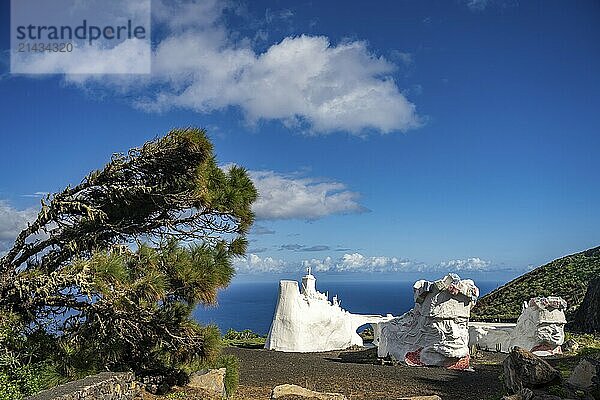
x=27 y=380
x=232 y=374
x=229 y=362
x=9 y=389
x=243 y=335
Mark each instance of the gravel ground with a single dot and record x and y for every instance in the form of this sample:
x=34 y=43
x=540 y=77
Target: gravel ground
x=355 y=374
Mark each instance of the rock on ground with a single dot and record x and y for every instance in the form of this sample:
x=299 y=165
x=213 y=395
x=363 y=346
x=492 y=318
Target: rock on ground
x=212 y=380
x=283 y=391
x=105 y=385
x=523 y=369
x=584 y=373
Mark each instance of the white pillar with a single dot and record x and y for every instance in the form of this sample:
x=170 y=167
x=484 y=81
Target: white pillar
x=309 y=283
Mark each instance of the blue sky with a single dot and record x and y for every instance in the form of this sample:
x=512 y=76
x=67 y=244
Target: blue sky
x=401 y=136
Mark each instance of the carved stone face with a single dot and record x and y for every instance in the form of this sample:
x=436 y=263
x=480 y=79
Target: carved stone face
x=436 y=331
x=551 y=333
x=546 y=321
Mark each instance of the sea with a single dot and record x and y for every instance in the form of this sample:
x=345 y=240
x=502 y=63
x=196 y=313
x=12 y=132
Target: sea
x=250 y=305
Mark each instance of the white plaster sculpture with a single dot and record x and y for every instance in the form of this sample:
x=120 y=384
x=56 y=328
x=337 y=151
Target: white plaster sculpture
x=540 y=329
x=306 y=321
x=435 y=332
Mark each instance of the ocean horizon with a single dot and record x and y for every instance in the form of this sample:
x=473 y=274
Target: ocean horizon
x=251 y=304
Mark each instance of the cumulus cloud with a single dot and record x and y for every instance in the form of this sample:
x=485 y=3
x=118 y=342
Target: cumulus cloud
x=356 y=262
x=256 y=264
x=12 y=221
x=288 y=196
x=304 y=81
x=318 y=265
x=125 y=58
x=469 y=264
x=300 y=80
x=123 y=54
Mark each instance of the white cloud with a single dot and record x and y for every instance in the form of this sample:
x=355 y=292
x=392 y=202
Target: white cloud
x=256 y=264
x=284 y=196
x=94 y=54
x=12 y=221
x=357 y=262
x=469 y=264
x=303 y=81
x=124 y=58
x=318 y=264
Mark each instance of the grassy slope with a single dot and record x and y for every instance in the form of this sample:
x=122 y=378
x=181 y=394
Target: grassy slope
x=566 y=277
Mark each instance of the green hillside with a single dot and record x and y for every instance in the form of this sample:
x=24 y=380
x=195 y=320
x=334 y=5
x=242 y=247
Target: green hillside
x=566 y=277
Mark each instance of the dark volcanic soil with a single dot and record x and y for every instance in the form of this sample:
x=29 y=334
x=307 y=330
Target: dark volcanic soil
x=354 y=374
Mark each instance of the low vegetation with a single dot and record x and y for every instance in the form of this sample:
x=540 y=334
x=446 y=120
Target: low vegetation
x=567 y=277
x=245 y=338
x=588 y=345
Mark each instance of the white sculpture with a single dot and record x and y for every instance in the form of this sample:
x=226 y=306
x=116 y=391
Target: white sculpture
x=540 y=329
x=306 y=321
x=435 y=331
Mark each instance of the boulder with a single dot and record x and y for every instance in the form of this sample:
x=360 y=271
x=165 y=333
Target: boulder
x=523 y=369
x=211 y=380
x=105 y=385
x=586 y=375
x=587 y=318
x=281 y=391
x=434 y=397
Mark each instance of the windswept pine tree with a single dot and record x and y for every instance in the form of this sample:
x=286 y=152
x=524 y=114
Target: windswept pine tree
x=110 y=270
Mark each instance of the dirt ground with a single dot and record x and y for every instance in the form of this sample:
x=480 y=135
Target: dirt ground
x=355 y=374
